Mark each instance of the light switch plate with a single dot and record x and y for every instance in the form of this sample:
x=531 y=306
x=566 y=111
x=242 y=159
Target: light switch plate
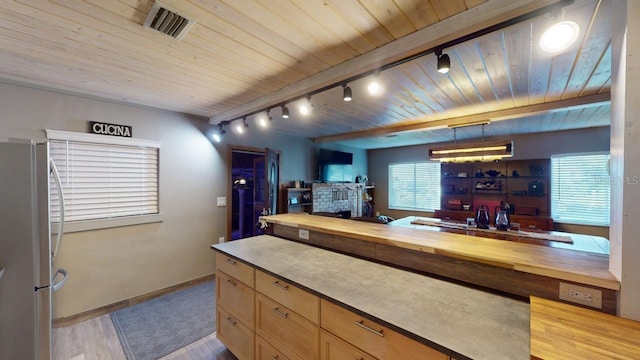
x=222 y=201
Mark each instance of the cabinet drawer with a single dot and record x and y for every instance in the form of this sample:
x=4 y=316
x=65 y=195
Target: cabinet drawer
x=373 y=338
x=234 y=335
x=236 y=297
x=293 y=335
x=266 y=351
x=333 y=348
x=235 y=268
x=294 y=298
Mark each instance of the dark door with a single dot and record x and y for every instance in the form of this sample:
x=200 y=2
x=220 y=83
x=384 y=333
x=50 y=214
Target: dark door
x=272 y=179
x=259 y=191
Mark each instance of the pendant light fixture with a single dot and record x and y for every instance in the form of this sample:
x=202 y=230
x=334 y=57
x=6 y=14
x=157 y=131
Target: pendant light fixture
x=285 y=112
x=472 y=151
x=444 y=63
x=346 y=93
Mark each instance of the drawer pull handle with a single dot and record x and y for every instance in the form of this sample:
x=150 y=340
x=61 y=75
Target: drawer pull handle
x=231 y=261
x=362 y=325
x=283 y=287
x=231 y=321
x=277 y=310
x=231 y=282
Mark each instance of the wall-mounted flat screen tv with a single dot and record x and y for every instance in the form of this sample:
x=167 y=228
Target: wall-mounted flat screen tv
x=335 y=166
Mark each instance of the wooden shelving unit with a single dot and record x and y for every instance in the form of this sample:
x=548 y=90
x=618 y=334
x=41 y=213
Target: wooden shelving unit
x=523 y=184
x=297 y=200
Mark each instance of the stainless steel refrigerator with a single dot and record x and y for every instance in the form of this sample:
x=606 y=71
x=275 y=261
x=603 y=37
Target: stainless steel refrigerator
x=27 y=250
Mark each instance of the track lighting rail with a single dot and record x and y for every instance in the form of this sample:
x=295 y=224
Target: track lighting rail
x=438 y=50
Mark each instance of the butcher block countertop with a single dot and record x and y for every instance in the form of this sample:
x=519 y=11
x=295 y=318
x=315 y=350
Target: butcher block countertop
x=463 y=322
x=562 y=331
x=561 y=263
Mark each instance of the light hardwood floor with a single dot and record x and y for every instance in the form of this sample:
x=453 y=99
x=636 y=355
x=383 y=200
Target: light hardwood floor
x=96 y=339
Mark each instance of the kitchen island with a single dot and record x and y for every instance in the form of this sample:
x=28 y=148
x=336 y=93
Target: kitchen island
x=520 y=269
x=454 y=320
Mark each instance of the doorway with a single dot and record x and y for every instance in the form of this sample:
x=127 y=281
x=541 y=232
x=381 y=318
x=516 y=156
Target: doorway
x=254 y=175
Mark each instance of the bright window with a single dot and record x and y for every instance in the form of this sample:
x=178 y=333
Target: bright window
x=104 y=177
x=414 y=186
x=580 y=189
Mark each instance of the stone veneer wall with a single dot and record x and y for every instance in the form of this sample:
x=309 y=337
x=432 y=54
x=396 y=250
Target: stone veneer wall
x=338 y=197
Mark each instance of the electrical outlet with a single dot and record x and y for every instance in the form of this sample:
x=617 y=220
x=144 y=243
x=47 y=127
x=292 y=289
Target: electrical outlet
x=220 y=239
x=221 y=201
x=581 y=295
x=303 y=234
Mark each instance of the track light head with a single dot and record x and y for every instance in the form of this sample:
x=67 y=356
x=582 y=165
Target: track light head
x=305 y=106
x=444 y=62
x=346 y=93
x=285 y=112
x=218 y=134
x=264 y=119
x=374 y=87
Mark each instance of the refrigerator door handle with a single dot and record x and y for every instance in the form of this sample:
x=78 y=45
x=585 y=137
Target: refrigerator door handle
x=57 y=285
x=56 y=177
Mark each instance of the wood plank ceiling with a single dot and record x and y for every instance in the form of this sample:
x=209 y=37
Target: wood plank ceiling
x=243 y=52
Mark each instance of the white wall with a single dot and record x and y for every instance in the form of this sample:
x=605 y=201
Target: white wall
x=625 y=117
x=110 y=265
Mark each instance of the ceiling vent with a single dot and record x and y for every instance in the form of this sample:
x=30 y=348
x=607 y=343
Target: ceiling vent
x=167 y=21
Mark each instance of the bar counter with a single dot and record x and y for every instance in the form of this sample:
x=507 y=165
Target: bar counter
x=521 y=269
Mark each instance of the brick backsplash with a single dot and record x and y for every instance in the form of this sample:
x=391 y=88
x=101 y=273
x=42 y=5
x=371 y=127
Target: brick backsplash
x=338 y=197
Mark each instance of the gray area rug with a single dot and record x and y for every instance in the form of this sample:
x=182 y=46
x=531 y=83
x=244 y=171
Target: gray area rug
x=155 y=328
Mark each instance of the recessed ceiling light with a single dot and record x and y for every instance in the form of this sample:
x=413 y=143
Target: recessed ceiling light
x=559 y=36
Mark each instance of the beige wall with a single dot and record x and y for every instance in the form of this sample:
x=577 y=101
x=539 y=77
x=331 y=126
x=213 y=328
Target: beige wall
x=526 y=147
x=106 y=266
x=110 y=265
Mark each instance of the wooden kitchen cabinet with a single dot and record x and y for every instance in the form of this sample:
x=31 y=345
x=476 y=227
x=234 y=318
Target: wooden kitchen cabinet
x=265 y=318
x=235 y=269
x=371 y=337
x=334 y=348
x=287 y=331
x=266 y=351
x=235 y=301
x=236 y=297
x=291 y=296
x=238 y=337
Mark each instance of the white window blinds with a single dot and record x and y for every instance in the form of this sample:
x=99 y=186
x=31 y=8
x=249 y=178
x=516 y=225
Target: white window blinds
x=580 y=189
x=103 y=180
x=414 y=186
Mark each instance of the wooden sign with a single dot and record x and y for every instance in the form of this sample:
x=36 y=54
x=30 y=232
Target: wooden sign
x=110 y=129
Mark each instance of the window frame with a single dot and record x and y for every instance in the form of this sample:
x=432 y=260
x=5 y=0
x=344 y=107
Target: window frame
x=103 y=223
x=432 y=187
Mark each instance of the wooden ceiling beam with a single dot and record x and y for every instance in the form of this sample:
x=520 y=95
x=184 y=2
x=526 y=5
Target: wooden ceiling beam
x=498 y=115
x=480 y=17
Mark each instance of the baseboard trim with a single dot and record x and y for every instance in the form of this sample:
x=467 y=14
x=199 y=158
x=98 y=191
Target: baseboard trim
x=90 y=314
